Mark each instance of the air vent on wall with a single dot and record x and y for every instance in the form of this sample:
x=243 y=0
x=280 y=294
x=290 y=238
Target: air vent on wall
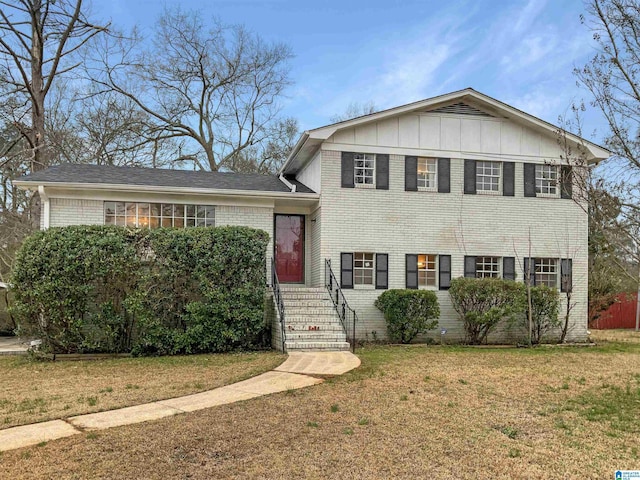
x=461 y=108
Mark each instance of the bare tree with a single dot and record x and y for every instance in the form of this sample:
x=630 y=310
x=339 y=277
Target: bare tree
x=269 y=155
x=37 y=41
x=354 y=110
x=612 y=78
x=215 y=87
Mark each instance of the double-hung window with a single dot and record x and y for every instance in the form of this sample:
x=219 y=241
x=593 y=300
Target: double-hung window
x=487 y=267
x=427 y=174
x=427 y=271
x=488 y=177
x=546 y=272
x=364 y=169
x=363 y=268
x=547 y=180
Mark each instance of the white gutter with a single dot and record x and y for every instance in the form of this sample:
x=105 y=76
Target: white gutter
x=301 y=141
x=165 y=189
x=289 y=185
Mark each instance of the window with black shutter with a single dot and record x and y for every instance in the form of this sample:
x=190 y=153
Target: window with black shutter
x=444 y=272
x=346 y=270
x=411 y=174
x=411 y=269
x=382 y=271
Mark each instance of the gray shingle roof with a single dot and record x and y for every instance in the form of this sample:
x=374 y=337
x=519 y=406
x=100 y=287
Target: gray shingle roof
x=102 y=174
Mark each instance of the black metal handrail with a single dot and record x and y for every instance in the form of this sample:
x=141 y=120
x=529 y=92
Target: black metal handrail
x=348 y=316
x=277 y=296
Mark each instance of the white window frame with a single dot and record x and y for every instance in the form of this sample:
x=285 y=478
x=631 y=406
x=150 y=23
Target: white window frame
x=363 y=257
x=480 y=183
x=547 y=269
x=488 y=267
x=203 y=215
x=430 y=171
x=366 y=157
x=547 y=180
x=423 y=268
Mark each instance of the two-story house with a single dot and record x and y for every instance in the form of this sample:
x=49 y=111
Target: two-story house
x=411 y=197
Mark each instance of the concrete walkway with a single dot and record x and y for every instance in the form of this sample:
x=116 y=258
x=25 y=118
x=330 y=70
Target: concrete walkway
x=293 y=374
x=13 y=346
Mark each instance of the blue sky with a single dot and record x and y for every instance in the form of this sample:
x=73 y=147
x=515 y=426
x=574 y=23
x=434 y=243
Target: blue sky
x=397 y=51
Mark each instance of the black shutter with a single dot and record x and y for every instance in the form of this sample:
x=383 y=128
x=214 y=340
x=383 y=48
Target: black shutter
x=530 y=263
x=566 y=179
x=566 y=275
x=444 y=182
x=382 y=171
x=444 y=271
x=411 y=174
x=346 y=270
x=469 y=176
x=509 y=268
x=347 y=170
x=470 y=267
x=412 y=270
x=508 y=179
x=529 y=179
x=382 y=271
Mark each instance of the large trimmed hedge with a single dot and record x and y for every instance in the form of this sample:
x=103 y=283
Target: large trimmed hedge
x=164 y=291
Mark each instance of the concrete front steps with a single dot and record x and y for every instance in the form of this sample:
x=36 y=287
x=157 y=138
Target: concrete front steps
x=311 y=321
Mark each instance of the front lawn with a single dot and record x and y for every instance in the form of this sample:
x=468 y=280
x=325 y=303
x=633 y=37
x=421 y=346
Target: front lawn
x=407 y=412
x=34 y=391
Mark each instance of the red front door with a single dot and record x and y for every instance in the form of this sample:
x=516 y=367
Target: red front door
x=289 y=248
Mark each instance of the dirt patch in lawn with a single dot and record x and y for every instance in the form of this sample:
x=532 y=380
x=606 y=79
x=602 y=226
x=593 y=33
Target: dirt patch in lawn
x=35 y=391
x=407 y=412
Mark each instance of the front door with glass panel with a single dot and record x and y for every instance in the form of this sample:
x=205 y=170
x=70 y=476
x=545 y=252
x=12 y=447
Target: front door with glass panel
x=289 y=248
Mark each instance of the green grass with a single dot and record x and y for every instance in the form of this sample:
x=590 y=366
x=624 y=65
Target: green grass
x=617 y=406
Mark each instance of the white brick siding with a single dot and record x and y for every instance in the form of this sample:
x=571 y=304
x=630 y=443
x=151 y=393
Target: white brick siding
x=254 y=217
x=317 y=261
x=69 y=211
x=397 y=222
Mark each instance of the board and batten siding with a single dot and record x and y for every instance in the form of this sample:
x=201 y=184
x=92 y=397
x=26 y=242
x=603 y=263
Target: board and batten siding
x=450 y=133
x=398 y=222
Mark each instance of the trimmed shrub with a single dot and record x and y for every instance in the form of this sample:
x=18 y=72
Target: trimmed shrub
x=545 y=304
x=70 y=286
x=408 y=312
x=164 y=291
x=482 y=303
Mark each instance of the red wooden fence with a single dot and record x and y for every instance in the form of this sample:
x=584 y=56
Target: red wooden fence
x=621 y=314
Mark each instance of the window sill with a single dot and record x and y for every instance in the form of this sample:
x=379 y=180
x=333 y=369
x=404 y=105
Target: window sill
x=433 y=288
x=364 y=185
x=489 y=192
x=428 y=189
x=547 y=195
x=364 y=287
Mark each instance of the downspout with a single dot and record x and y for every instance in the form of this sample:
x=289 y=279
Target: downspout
x=289 y=185
x=46 y=207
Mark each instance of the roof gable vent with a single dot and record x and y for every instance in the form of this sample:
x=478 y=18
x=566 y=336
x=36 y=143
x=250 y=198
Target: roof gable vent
x=461 y=108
